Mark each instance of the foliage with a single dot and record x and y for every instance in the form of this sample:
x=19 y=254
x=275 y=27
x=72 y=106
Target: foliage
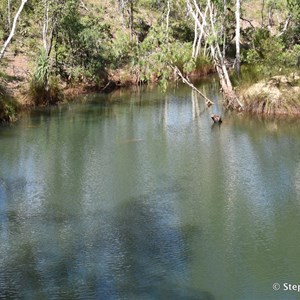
x=270 y=54
x=8 y=107
x=44 y=88
x=82 y=44
x=154 y=57
x=294 y=8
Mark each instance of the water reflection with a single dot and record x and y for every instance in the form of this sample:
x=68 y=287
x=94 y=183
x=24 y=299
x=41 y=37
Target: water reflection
x=145 y=199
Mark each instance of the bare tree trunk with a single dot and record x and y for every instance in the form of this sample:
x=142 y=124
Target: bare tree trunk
x=262 y=12
x=201 y=35
x=83 y=5
x=237 y=37
x=167 y=20
x=45 y=26
x=213 y=32
x=48 y=32
x=131 y=19
x=8 y=14
x=195 y=39
x=223 y=27
x=12 y=32
x=198 y=26
x=121 y=7
x=230 y=96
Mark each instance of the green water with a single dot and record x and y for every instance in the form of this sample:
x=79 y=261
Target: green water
x=135 y=195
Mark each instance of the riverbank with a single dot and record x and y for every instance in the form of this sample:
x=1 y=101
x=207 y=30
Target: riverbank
x=17 y=94
x=277 y=96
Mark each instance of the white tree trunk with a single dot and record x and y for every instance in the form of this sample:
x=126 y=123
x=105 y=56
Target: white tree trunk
x=8 y=14
x=207 y=23
x=198 y=26
x=48 y=30
x=223 y=27
x=195 y=39
x=12 y=32
x=262 y=13
x=237 y=37
x=167 y=20
x=45 y=26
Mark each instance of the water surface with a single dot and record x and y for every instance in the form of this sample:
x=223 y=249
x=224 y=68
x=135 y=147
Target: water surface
x=136 y=195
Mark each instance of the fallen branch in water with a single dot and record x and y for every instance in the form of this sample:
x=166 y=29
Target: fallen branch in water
x=185 y=80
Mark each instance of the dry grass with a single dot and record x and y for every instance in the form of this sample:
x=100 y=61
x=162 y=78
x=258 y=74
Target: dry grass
x=251 y=10
x=278 y=96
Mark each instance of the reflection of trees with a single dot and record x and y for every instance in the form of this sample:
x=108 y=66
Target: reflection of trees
x=72 y=225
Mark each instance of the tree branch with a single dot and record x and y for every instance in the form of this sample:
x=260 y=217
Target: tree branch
x=286 y=25
x=83 y=5
x=246 y=20
x=188 y=82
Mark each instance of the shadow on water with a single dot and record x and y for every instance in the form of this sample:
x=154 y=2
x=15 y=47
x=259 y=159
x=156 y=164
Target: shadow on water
x=138 y=250
x=158 y=266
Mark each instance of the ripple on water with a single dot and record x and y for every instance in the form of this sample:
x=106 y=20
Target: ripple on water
x=142 y=200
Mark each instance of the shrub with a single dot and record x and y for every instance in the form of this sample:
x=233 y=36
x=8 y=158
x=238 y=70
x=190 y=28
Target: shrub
x=44 y=88
x=8 y=107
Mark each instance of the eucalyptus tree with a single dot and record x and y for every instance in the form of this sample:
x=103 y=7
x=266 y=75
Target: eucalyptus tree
x=51 y=15
x=209 y=17
x=8 y=14
x=262 y=12
x=13 y=29
x=237 y=36
x=127 y=9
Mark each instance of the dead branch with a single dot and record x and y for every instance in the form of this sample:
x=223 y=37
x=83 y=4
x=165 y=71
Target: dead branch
x=83 y=5
x=246 y=20
x=188 y=82
x=286 y=25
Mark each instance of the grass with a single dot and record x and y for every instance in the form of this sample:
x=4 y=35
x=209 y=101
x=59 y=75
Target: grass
x=41 y=95
x=279 y=95
x=249 y=76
